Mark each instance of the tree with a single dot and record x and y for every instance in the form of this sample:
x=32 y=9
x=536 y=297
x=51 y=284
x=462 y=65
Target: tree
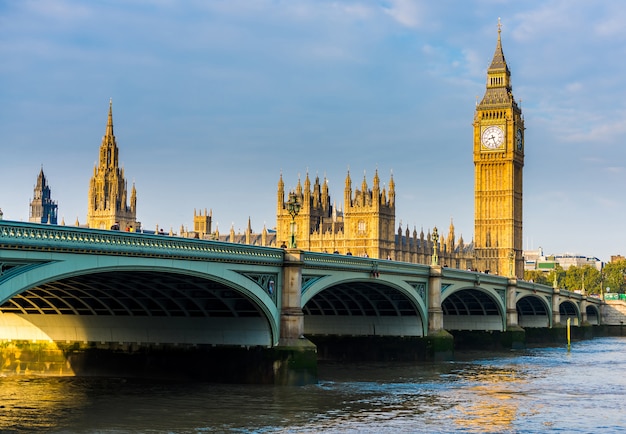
x=556 y=277
x=586 y=279
x=615 y=276
x=537 y=276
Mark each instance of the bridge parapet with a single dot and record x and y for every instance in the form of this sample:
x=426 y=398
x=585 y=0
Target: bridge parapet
x=534 y=287
x=357 y=263
x=33 y=236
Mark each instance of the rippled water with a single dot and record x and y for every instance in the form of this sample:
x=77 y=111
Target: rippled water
x=548 y=389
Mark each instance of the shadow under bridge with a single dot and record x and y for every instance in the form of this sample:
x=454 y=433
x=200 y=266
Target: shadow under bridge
x=363 y=308
x=138 y=307
x=473 y=309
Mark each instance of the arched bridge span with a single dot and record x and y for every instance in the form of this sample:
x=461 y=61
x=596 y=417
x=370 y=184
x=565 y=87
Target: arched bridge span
x=104 y=286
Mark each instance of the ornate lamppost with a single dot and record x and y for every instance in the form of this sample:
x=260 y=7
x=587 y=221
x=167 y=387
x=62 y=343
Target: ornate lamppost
x=293 y=207
x=511 y=263
x=435 y=238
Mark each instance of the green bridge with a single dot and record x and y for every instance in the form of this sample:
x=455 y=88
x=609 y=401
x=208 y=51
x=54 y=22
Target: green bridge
x=83 y=301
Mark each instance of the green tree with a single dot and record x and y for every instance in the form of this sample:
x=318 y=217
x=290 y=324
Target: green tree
x=573 y=279
x=587 y=278
x=615 y=276
x=537 y=276
x=557 y=275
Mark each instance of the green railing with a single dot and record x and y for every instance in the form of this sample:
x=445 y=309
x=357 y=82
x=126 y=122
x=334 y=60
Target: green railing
x=614 y=296
x=33 y=236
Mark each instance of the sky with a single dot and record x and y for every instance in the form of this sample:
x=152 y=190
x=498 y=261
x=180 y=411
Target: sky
x=213 y=100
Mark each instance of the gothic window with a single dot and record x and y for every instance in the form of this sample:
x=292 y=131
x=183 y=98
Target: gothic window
x=362 y=227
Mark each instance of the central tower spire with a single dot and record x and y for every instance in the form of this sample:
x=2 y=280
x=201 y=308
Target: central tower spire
x=108 y=197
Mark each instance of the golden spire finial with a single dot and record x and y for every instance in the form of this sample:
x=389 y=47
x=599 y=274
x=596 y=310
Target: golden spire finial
x=109 y=129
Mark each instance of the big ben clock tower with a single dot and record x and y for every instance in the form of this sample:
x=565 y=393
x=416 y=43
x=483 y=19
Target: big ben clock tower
x=498 y=167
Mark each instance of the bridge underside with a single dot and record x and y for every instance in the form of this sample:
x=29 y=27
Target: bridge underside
x=145 y=307
x=362 y=309
x=532 y=312
x=471 y=309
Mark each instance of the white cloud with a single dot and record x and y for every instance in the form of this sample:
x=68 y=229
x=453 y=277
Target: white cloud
x=405 y=12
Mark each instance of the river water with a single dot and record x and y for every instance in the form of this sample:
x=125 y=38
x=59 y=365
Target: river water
x=545 y=389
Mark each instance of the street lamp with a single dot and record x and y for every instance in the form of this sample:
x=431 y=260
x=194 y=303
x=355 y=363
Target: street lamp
x=435 y=238
x=293 y=207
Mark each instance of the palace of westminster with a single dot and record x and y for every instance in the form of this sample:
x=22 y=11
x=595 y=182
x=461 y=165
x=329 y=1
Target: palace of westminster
x=366 y=223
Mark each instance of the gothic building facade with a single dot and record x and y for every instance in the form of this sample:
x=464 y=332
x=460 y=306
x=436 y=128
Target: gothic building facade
x=108 y=205
x=42 y=208
x=364 y=226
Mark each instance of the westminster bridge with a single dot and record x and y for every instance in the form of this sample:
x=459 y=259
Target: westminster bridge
x=88 y=290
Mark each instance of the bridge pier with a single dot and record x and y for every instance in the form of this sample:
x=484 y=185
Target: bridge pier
x=556 y=303
x=583 y=311
x=295 y=356
x=440 y=343
x=514 y=336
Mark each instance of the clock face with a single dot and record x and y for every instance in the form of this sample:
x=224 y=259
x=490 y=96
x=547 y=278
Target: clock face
x=492 y=137
x=519 y=140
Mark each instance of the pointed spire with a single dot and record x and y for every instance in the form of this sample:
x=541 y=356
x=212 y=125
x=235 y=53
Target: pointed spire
x=392 y=192
x=280 y=193
x=41 y=178
x=109 y=132
x=299 y=187
x=498 y=61
x=281 y=184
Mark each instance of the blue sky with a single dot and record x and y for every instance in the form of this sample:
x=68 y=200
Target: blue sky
x=212 y=100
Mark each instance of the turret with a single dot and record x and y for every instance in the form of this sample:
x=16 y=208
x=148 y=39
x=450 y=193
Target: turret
x=325 y=195
x=347 y=195
x=376 y=199
x=392 y=192
x=306 y=199
x=280 y=195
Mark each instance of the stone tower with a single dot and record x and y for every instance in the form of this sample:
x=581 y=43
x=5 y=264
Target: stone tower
x=42 y=208
x=108 y=198
x=370 y=218
x=365 y=227
x=202 y=223
x=498 y=167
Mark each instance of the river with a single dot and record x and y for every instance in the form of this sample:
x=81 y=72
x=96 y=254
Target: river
x=582 y=390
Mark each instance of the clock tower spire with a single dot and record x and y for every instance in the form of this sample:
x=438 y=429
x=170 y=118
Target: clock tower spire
x=498 y=167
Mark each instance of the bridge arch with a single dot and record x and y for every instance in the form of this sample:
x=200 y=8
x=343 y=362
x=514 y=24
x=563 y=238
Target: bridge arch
x=533 y=311
x=473 y=308
x=593 y=314
x=569 y=309
x=108 y=298
x=352 y=305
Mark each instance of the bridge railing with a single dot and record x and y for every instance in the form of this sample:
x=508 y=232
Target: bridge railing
x=34 y=236
x=331 y=261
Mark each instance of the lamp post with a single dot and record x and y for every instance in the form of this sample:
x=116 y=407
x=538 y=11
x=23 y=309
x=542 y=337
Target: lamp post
x=293 y=207
x=435 y=238
x=602 y=285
